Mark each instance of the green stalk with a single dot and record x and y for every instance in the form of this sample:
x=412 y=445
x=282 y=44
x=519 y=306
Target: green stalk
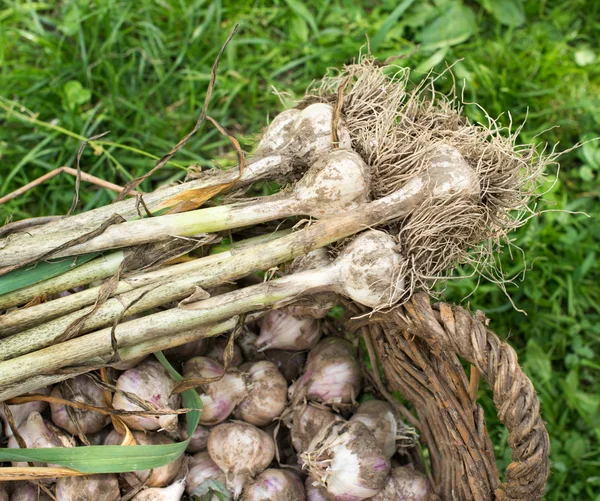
x=103 y=267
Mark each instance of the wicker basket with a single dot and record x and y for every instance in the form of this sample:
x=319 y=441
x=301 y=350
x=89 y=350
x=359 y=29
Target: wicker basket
x=420 y=347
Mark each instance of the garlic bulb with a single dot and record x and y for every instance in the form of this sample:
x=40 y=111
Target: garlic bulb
x=281 y=330
x=157 y=477
x=173 y=492
x=241 y=450
x=332 y=374
x=247 y=343
x=4 y=492
x=379 y=417
x=278 y=132
x=88 y=488
x=151 y=382
x=20 y=412
x=274 y=485
x=24 y=491
x=186 y=351
x=407 y=484
x=219 y=398
x=216 y=351
x=205 y=477
x=78 y=389
x=199 y=439
x=347 y=460
x=307 y=421
x=40 y=434
x=267 y=396
x=314 y=492
x=289 y=363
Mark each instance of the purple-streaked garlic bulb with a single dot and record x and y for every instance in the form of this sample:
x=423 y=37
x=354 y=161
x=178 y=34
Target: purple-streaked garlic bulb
x=78 y=389
x=307 y=421
x=151 y=382
x=99 y=437
x=406 y=484
x=173 y=492
x=40 y=434
x=21 y=412
x=205 y=477
x=103 y=487
x=267 y=396
x=186 y=351
x=379 y=417
x=242 y=451
x=199 y=439
x=216 y=351
x=157 y=477
x=220 y=397
x=346 y=459
x=281 y=330
x=24 y=491
x=303 y=135
x=289 y=363
x=332 y=374
x=314 y=492
x=274 y=485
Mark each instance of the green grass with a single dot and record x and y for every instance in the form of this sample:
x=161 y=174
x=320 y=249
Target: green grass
x=140 y=70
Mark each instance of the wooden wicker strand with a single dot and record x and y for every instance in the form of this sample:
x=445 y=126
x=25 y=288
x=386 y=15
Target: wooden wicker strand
x=419 y=345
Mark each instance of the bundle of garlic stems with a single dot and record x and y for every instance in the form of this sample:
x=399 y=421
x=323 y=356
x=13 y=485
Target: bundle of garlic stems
x=441 y=178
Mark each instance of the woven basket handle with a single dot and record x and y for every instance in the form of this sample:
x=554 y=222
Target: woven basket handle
x=455 y=329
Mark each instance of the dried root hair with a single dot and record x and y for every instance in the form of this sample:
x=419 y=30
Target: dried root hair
x=395 y=125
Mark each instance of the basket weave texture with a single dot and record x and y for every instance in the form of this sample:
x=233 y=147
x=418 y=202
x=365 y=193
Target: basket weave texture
x=420 y=347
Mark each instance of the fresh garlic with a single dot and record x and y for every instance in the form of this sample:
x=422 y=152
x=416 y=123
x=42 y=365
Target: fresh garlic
x=274 y=485
x=205 y=477
x=157 y=477
x=314 y=492
x=289 y=363
x=40 y=434
x=216 y=351
x=199 y=439
x=78 y=389
x=281 y=330
x=332 y=374
x=277 y=133
x=151 y=382
x=347 y=460
x=307 y=421
x=379 y=417
x=241 y=450
x=220 y=397
x=23 y=491
x=267 y=396
x=407 y=484
x=103 y=487
x=20 y=412
x=173 y=492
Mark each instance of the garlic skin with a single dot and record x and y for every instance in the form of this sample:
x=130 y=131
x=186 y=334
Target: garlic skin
x=157 y=477
x=204 y=476
x=219 y=398
x=289 y=363
x=274 y=485
x=23 y=491
x=283 y=331
x=216 y=351
x=278 y=132
x=314 y=492
x=150 y=381
x=20 y=412
x=407 y=484
x=186 y=351
x=267 y=396
x=78 y=389
x=173 y=492
x=241 y=450
x=40 y=434
x=103 y=487
x=307 y=421
x=199 y=439
x=347 y=460
x=332 y=374
x=379 y=417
